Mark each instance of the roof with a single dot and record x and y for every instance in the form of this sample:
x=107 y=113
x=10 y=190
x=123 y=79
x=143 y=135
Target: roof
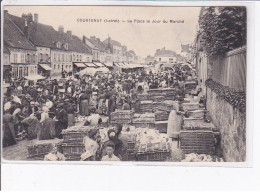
x=40 y=34
x=166 y=55
x=98 y=44
x=14 y=37
x=78 y=46
x=112 y=42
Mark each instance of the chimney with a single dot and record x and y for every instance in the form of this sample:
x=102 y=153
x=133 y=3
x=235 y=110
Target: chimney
x=36 y=18
x=26 y=29
x=69 y=32
x=84 y=39
x=61 y=29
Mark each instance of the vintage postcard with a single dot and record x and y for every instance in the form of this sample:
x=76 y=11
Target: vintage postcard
x=124 y=83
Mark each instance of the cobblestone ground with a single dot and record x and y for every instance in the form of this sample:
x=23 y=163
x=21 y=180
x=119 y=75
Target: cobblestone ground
x=16 y=152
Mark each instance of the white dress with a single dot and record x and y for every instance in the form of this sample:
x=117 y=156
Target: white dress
x=174 y=123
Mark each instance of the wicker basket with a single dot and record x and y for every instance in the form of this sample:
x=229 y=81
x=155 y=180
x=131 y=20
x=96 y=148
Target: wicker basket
x=200 y=142
x=74 y=135
x=37 y=149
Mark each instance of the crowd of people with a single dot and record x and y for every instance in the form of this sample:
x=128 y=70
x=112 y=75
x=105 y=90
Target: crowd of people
x=43 y=109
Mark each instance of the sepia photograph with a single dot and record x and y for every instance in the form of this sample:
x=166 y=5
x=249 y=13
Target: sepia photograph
x=124 y=83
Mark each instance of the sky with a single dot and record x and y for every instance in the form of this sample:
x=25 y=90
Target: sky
x=143 y=38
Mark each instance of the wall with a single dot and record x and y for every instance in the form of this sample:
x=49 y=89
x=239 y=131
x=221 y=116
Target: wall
x=232 y=125
x=231 y=70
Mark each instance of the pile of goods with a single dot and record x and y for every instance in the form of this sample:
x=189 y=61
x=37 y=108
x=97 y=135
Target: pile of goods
x=153 y=146
x=146 y=120
x=122 y=117
x=37 y=149
x=197 y=141
x=73 y=145
x=201 y=158
x=190 y=106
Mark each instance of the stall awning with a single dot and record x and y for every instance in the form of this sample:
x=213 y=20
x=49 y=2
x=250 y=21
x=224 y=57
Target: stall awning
x=46 y=67
x=80 y=65
x=90 y=64
x=98 y=64
x=109 y=64
x=34 y=77
x=117 y=64
x=88 y=71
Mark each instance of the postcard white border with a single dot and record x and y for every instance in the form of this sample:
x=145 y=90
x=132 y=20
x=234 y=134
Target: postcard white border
x=250 y=77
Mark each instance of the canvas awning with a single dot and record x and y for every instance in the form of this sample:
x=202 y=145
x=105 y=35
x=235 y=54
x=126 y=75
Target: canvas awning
x=98 y=64
x=109 y=64
x=90 y=64
x=34 y=77
x=46 y=67
x=88 y=71
x=80 y=65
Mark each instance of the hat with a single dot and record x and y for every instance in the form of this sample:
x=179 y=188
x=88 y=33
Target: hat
x=60 y=105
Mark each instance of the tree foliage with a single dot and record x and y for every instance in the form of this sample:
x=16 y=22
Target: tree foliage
x=222 y=29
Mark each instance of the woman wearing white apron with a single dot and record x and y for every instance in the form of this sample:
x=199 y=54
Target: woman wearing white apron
x=174 y=122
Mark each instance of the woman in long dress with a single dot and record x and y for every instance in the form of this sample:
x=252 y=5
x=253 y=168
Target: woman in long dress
x=174 y=122
x=8 y=130
x=33 y=126
x=84 y=109
x=47 y=130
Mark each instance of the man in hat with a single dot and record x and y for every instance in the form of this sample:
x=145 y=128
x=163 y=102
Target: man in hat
x=62 y=120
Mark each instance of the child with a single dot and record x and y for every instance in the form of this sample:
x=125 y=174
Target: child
x=110 y=153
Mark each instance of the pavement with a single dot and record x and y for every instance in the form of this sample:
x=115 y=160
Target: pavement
x=16 y=152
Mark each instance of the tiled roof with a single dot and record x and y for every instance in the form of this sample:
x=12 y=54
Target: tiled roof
x=98 y=44
x=14 y=37
x=76 y=44
x=113 y=42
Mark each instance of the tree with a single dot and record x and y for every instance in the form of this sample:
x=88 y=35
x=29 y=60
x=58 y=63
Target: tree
x=222 y=29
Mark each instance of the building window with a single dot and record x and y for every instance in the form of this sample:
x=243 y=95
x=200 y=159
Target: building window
x=58 y=67
x=26 y=71
x=160 y=59
x=80 y=58
x=55 y=55
x=63 y=58
x=54 y=66
x=47 y=57
x=59 y=57
x=22 y=58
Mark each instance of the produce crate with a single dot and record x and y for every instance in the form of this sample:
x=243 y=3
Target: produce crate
x=190 y=106
x=37 y=149
x=192 y=121
x=74 y=135
x=196 y=113
x=73 y=149
x=122 y=114
x=144 y=125
x=198 y=124
x=161 y=126
x=162 y=115
x=121 y=121
x=200 y=142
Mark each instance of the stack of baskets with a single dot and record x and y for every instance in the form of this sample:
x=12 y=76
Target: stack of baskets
x=197 y=141
x=37 y=149
x=73 y=145
x=130 y=139
x=148 y=106
x=122 y=117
